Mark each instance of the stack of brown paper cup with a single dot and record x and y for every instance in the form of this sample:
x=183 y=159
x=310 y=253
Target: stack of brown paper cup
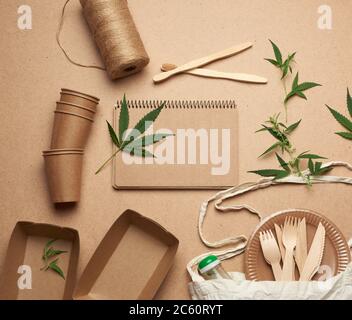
x=74 y=116
x=79 y=98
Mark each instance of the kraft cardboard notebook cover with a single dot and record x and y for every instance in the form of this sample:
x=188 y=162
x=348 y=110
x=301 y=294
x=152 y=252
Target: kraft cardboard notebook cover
x=202 y=153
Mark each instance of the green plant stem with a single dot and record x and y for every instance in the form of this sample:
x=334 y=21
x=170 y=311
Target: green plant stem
x=285 y=103
x=107 y=161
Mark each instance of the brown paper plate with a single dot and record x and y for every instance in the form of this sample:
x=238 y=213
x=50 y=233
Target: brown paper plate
x=336 y=254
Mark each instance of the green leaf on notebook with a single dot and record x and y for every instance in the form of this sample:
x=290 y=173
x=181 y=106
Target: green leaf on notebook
x=113 y=135
x=143 y=124
x=141 y=153
x=149 y=139
x=124 y=118
x=134 y=142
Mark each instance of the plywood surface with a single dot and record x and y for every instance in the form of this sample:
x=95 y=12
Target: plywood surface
x=33 y=70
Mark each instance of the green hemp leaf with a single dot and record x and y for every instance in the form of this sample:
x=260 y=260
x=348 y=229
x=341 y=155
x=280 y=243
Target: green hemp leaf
x=48 y=253
x=342 y=120
x=293 y=166
x=134 y=143
x=286 y=67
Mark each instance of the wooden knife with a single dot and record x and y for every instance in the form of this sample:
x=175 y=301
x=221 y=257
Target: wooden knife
x=278 y=232
x=301 y=246
x=315 y=255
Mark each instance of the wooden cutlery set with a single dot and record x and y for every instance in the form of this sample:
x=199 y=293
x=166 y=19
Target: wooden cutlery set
x=289 y=249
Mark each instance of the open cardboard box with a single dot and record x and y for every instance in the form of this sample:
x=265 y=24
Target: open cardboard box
x=131 y=261
x=26 y=248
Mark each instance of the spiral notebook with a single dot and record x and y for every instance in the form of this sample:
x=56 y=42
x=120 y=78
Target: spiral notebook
x=202 y=153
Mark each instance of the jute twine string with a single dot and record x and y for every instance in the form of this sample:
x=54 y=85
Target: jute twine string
x=115 y=34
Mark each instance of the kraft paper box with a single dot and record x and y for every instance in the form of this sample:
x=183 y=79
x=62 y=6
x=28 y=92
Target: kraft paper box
x=131 y=261
x=25 y=248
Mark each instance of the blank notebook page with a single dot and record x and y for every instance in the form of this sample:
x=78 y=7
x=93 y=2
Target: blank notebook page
x=202 y=154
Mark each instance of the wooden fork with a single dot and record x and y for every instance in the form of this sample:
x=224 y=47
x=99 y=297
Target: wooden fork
x=289 y=239
x=271 y=252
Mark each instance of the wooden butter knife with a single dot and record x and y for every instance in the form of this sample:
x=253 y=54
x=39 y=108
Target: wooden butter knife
x=315 y=255
x=301 y=247
x=203 y=61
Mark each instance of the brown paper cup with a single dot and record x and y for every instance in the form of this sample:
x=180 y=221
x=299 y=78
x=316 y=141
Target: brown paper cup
x=63 y=172
x=79 y=98
x=71 y=130
x=88 y=96
x=75 y=108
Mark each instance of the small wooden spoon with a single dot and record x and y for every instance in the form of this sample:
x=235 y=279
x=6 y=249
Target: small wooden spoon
x=242 y=77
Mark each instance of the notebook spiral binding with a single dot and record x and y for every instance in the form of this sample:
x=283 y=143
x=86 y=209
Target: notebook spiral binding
x=180 y=104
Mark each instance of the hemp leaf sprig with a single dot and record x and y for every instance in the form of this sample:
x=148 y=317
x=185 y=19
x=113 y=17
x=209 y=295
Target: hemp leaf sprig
x=134 y=143
x=286 y=66
x=293 y=166
x=344 y=121
x=49 y=253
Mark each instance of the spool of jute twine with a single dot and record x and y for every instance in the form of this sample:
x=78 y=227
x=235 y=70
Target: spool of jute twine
x=115 y=34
